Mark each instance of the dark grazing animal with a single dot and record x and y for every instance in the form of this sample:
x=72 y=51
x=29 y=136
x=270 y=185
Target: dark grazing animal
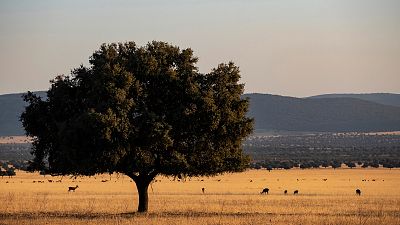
x=285 y=192
x=72 y=188
x=265 y=191
x=296 y=192
x=358 y=192
x=203 y=190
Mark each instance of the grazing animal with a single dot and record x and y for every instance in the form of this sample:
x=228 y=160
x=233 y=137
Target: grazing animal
x=285 y=192
x=296 y=192
x=50 y=181
x=72 y=188
x=358 y=192
x=203 y=190
x=265 y=191
x=251 y=180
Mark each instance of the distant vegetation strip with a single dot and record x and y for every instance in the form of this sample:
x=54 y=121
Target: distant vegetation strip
x=331 y=150
x=324 y=150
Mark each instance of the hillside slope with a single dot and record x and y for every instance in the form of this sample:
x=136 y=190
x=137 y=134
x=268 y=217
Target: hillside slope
x=273 y=112
x=381 y=98
x=11 y=107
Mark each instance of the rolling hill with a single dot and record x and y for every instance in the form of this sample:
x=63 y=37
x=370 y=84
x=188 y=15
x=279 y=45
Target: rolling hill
x=11 y=107
x=279 y=113
x=332 y=113
x=381 y=98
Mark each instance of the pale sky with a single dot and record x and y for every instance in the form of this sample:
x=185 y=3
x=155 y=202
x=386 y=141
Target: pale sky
x=287 y=47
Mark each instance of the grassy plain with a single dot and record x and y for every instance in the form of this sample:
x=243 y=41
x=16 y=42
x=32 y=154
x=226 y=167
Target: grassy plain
x=228 y=199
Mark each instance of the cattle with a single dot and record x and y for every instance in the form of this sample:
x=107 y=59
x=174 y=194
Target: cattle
x=285 y=192
x=358 y=192
x=203 y=190
x=265 y=191
x=296 y=192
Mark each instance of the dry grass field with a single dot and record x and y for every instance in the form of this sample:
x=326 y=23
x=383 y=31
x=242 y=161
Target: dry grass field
x=228 y=199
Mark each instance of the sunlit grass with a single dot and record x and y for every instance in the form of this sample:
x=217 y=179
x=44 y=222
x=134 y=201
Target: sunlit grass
x=228 y=199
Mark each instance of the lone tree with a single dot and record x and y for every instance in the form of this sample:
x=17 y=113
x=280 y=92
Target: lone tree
x=140 y=111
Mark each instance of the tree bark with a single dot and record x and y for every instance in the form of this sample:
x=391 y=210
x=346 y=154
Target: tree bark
x=142 y=187
x=142 y=184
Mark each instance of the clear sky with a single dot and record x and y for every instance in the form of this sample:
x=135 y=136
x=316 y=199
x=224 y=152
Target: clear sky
x=287 y=47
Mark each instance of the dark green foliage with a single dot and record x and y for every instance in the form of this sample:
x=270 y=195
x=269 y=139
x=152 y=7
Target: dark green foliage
x=350 y=164
x=140 y=111
x=3 y=165
x=336 y=164
x=43 y=173
x=10 y=172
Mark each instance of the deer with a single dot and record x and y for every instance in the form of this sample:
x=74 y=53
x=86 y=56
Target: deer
x=72 y=188
x=265 y=191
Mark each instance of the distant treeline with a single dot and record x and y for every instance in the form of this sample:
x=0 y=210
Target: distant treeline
x=286 y=151
x=15 y=151
x=324 y=150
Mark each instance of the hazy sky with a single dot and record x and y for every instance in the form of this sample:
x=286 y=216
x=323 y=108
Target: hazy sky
x=287 y=47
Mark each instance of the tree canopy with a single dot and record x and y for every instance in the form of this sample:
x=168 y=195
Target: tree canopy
x=140 y=111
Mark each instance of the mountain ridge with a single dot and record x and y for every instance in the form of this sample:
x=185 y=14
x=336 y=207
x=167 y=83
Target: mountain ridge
x=382 y=98
x=275 y=112
x=334 y=113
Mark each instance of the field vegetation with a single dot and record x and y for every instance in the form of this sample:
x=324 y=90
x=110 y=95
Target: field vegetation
x=326 y=196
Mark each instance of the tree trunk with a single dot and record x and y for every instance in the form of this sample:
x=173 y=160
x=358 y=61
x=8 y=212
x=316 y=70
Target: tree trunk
x=142 y=187
x=142 y=182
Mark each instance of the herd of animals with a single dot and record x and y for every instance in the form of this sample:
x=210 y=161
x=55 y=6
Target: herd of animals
x=296 y=192
x=264 y=191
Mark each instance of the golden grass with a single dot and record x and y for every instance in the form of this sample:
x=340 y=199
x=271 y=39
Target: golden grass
x=232 y=200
